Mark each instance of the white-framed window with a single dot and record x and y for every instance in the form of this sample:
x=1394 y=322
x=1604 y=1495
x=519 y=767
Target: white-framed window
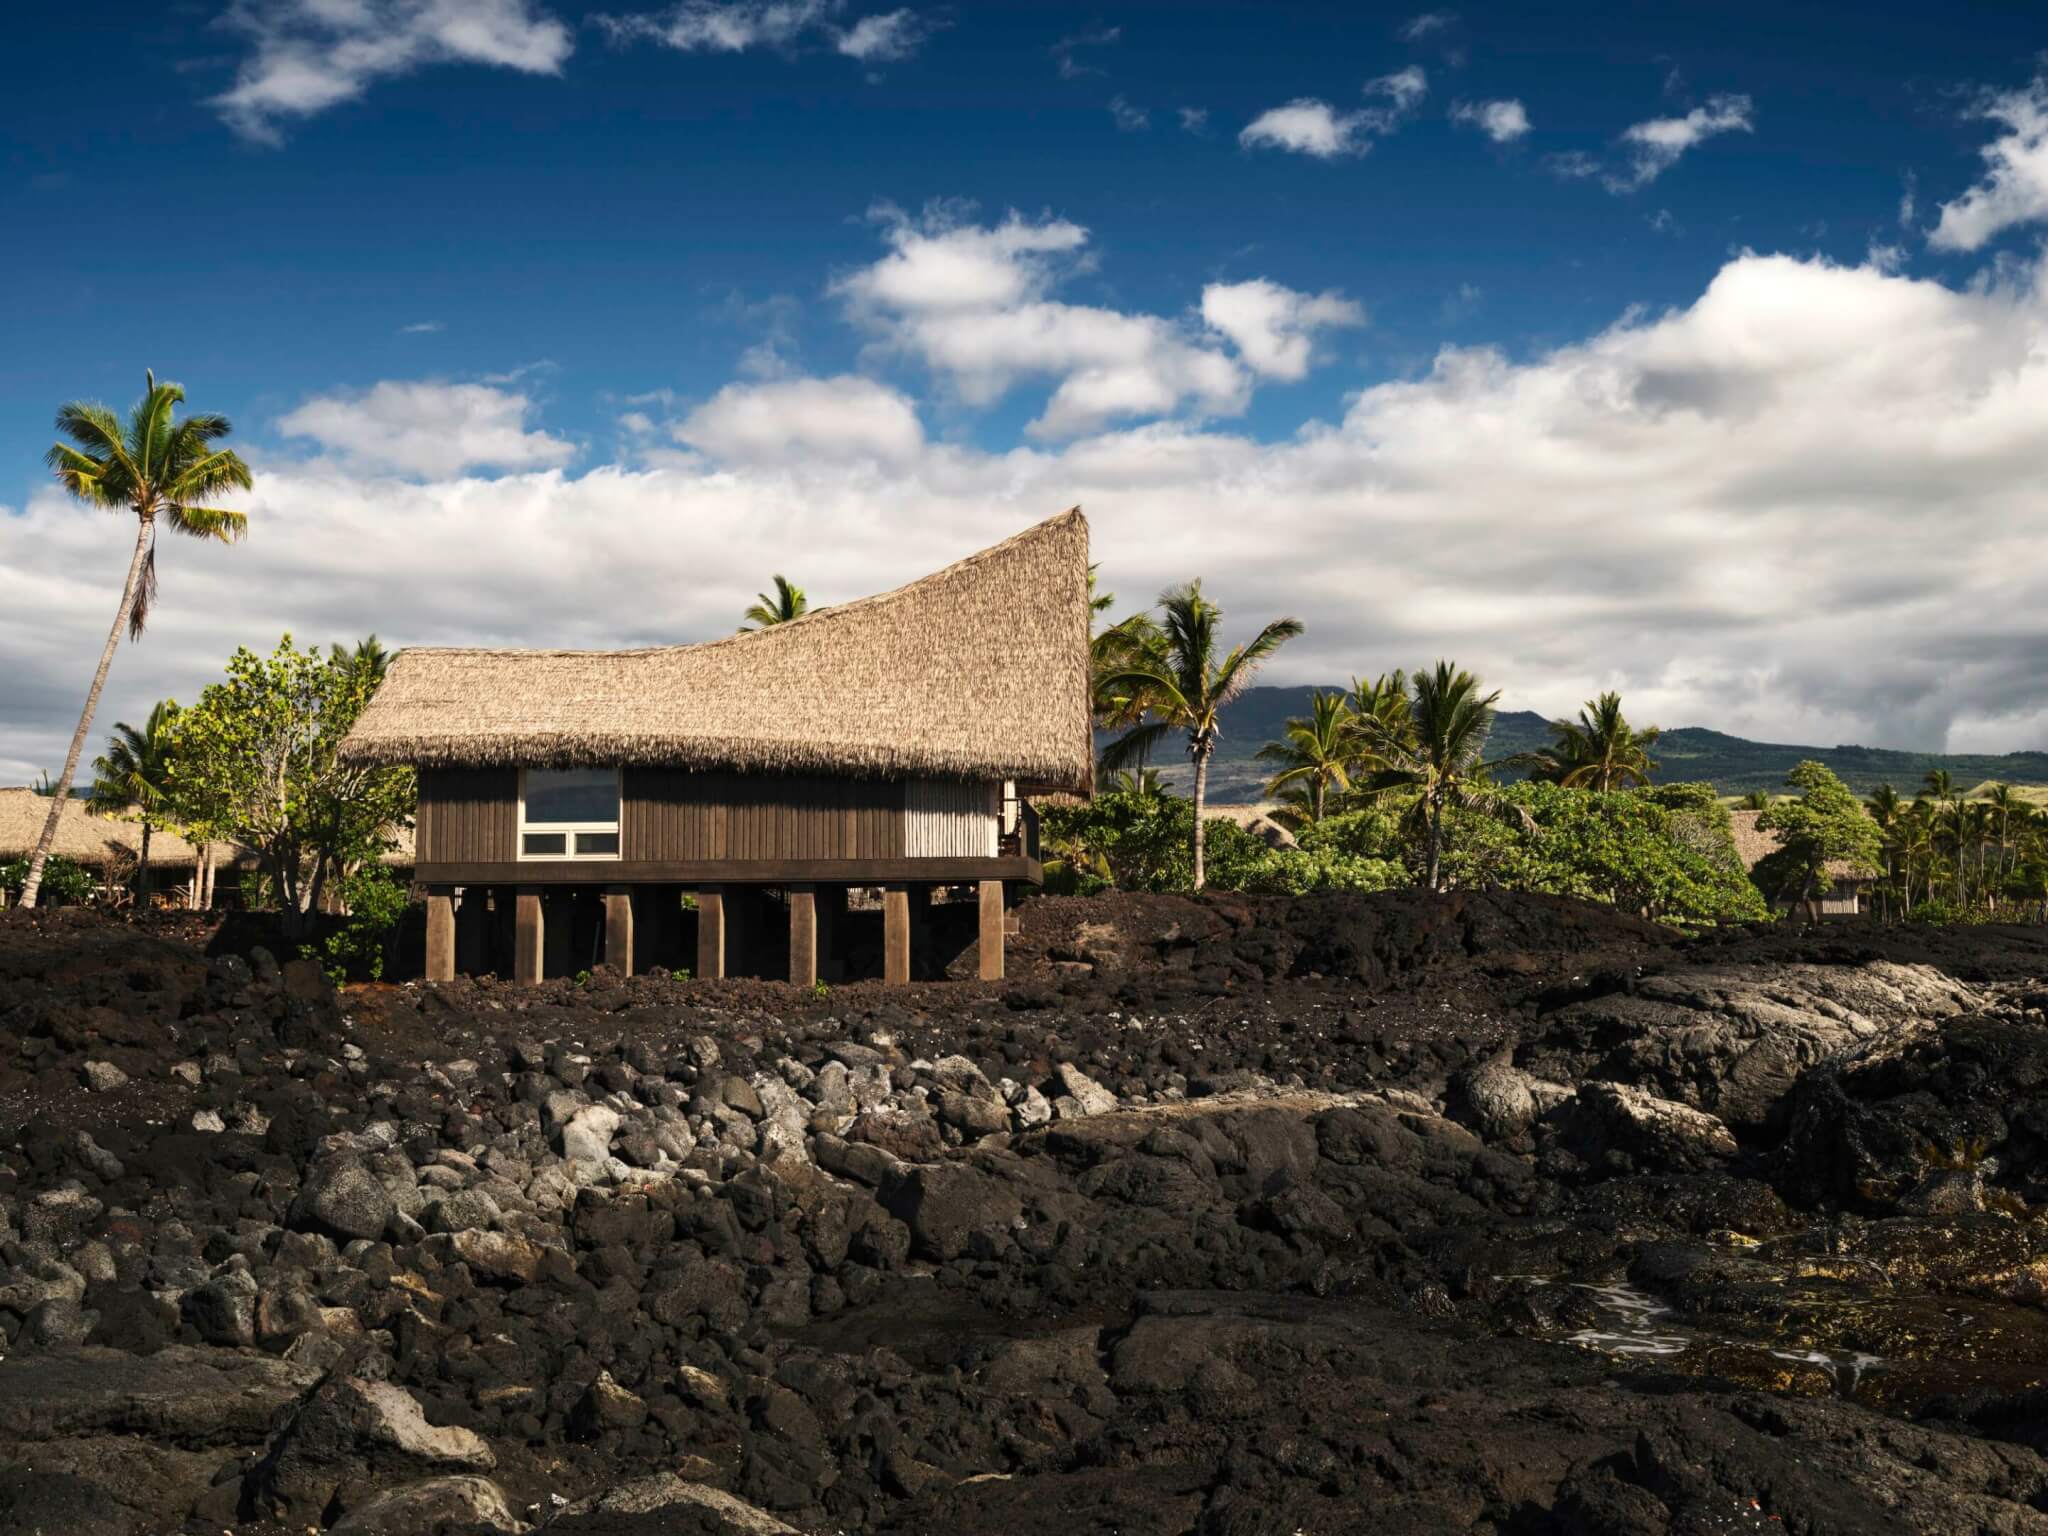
x=568 y=813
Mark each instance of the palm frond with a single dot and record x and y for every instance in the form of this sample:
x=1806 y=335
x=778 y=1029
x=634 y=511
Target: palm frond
x=1133 y=749
x=207 y=522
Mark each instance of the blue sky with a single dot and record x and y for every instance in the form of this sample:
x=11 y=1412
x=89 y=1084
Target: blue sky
x=635 y=269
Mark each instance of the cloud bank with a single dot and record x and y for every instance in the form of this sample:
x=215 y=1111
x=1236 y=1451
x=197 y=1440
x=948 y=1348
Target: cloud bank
x=1804 y=507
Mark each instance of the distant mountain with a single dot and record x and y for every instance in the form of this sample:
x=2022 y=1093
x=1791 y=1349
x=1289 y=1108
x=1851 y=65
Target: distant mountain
x=1731 y=764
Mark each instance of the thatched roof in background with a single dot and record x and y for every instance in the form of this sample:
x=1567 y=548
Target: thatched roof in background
x=1753 y=845
x=100 y=841
x=979 y=671
x=83 y=837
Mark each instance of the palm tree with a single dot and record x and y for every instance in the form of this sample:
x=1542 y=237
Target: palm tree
x=1755 y=800
x=1600 y=750
x=2007 y=807
x=788 y=603
x=1184 y=686
x=1315 y=753
x=1131 y=641
x=1441 y=761
x=44 y=784
x=1888 y=809
x=368 y=658
x=162 y=470
x=134 y=778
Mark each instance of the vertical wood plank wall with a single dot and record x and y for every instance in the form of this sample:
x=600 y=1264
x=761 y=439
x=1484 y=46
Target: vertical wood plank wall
x=468 y=815
x=672 y=814
x=950 y=819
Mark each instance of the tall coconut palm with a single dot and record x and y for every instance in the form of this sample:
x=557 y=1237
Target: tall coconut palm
x=1442 y=760
x=1184 y=686
x=1887 y=808
x=1383 y=701
x=133 y=778
x=1599 y=750
x=1315 y=752
x=164 y=471
x=786 y=603
x=2008 y=810
x=1114 y=648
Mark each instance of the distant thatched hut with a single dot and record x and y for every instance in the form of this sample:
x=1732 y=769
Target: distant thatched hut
x=109 y=848
x=1848 y=886
x=881 y=742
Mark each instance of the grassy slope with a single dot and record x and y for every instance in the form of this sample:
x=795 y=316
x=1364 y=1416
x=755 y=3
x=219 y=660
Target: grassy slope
x=1731 y=764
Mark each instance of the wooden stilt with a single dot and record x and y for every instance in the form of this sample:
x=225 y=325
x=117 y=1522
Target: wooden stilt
x=710 y=933
x=991 y=944
x=441 y=933
x=529 y=935
x=618 y=928
x=896 y=934
x=803 y=935
x=830 y=908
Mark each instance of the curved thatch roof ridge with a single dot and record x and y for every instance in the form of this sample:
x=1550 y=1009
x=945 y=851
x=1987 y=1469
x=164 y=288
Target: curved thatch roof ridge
x=976 y=671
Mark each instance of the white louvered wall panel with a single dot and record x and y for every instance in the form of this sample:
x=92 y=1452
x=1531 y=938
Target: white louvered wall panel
x=948 y=819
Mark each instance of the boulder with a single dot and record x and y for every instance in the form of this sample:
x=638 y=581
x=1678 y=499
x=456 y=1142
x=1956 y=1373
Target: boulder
x=192 y=1396
x=1089 y=1096
x=499 y=1255
x=664 y=1490
x=352 y=1439
x=1495 y=1101
x=342 y=1198
x=428 y=1506
x=1657 y=1132
x=588 y=1135
x=952 y=1209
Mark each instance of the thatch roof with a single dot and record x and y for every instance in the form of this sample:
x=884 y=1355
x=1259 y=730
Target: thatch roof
x=82 y=836
x=979 y=671
x=100 y=841
x=1753 y=845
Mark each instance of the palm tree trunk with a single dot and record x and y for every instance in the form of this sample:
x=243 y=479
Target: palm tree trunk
x=1433 y=862
x=1201 y=800
x=33 y=883
x=142 y=870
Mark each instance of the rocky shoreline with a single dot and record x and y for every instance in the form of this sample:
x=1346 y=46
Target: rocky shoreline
x=1232 y=1216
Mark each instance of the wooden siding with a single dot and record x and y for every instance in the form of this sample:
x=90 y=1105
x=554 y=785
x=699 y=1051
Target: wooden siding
x=674 y=815
x=950 y=819
x=468 y=815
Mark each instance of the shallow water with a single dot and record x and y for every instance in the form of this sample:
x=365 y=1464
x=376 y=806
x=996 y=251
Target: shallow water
x=1635 y=1325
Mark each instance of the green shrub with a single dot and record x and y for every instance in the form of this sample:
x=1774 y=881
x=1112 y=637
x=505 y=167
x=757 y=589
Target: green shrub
x=359 y=947
x=66 y=883
x=1145 y=842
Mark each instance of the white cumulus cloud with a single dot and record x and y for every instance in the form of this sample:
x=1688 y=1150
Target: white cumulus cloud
x=308 y=55
x=1655 y=146
x=1308 y=126
x=422 y=427
x=848 y=417
x=1272 y=327
x=2015 y=188
x=734 y=26
x=1501 y=121
x=974 y=303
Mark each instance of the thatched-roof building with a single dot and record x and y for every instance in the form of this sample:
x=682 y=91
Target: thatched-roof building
x=100 y=843
x=885 y=741
x=1847 y=885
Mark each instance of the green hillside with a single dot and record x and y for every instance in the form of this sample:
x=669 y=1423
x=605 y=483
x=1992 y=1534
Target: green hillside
x=1731 y=764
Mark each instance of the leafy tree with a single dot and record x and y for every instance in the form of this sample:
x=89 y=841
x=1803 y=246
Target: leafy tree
x=361 y=945
x=1600 y=750
x=1315 y=754
x=162 y=470
x=133 y=778
x=1440 y=757
x=1824 y=823
x=1756 y=800
x=786 y=603
x=256 y=763
x=1184 y=686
